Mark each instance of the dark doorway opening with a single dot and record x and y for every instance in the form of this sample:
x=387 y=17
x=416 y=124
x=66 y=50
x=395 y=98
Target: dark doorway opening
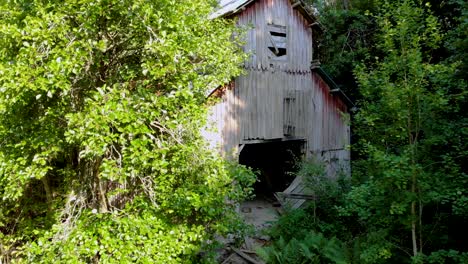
x=274 y=162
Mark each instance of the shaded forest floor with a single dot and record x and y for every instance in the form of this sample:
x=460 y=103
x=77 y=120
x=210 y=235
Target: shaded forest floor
x=260 y=213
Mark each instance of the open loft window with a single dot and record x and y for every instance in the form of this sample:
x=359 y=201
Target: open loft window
x=277 y=42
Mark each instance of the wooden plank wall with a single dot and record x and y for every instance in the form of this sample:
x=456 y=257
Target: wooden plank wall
x=277 y=12
x=253 y=108
x=329 y=143
x=269 y=81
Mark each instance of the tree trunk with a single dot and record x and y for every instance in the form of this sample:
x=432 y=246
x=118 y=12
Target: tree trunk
x=420 y=227
x=347 y=4
x=102 y=197
x=413 y=229
x=48 y=190
x=89 y=176
x=99 y=189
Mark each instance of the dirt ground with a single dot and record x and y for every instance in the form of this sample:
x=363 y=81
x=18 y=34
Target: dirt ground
x=260 y=213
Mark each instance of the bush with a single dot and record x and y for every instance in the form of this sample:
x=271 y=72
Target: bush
x=101 y=107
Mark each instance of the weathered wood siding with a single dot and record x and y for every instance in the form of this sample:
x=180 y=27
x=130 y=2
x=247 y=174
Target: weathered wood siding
x=329 y=131
x=265 y=13
x=270 y=82
x=281 y=98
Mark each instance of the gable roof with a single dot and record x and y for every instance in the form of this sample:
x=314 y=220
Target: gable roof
x=228 y=8
x=232 y=7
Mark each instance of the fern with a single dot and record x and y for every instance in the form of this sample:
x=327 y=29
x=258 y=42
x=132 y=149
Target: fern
x=314 y=248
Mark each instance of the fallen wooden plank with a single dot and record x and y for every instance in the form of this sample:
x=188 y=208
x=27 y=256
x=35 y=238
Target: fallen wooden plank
x=296 y=196
x=279 y=210
x=226 y=261
x=248 y=251
x=279 y=199
x=296 y=182
x=246 y=257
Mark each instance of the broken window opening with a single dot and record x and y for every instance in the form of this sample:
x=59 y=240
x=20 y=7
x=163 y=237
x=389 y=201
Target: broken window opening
x=279 y=52
x=278 y=34
x=277 y=42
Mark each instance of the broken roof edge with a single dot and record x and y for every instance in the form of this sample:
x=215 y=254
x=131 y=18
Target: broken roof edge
x=334 y=88
x=231 y=8
x=307 y=13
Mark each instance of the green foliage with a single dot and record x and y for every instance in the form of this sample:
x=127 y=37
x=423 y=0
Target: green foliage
x=142 y=238
x=456 y=41
x=347 y=39
x=101 y=107
x=293 y=224
x=329 y=193
x=309 y=235
x=328 y=190
x=407 y=111
x=447 y=256
x=405 y=62
x=312 y=248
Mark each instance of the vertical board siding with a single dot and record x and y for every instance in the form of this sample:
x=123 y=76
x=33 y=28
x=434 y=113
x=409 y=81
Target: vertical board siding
x=258 y=16
x=253 y=107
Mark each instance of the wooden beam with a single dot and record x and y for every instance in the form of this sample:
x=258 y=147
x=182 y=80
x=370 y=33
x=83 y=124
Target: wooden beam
x=246 y=257
x=296 y=4
x=241 y=147
x=259 y=141
x=314 y=24
x=296 y=196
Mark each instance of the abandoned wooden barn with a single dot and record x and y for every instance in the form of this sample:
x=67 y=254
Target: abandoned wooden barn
x=285 y=107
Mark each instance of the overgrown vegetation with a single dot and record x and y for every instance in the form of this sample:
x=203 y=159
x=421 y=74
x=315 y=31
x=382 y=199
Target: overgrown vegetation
x=312 y=248
x=101 y=107
x=312 y=234
x=404 y=62
x=101 y=158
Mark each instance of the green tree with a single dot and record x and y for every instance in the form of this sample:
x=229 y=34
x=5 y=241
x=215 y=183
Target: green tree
x=101 y=106
x=409 y=175
x=406 y=100
x=346 y=39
